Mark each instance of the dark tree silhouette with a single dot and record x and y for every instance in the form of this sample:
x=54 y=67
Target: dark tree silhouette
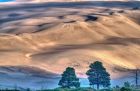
x=136 y=76
x=97 y=75
x=136 y=73
x=69 y=79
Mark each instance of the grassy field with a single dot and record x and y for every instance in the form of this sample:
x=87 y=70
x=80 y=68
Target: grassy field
x=90 y=89
x=78 y=89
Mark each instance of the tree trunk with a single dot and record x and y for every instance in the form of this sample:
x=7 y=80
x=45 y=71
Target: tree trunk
x=136 y=77
x=98 y=86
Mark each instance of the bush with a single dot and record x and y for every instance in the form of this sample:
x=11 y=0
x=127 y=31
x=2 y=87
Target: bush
x=106 y=90
x=125 y=89
x=72 y=89
x=116 y=89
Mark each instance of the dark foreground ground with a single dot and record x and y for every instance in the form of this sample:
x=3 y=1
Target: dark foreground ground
x=80 y=89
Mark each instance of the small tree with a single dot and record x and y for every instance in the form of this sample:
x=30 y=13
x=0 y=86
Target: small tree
x=69 y=79
x=97 y=75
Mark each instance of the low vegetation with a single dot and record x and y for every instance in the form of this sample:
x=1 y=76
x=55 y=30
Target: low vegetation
x=79 y=89
x=91 y=89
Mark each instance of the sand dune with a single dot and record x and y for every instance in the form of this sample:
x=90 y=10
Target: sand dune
x=52 y=38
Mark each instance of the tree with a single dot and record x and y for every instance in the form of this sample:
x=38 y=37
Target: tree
x=97 y=75
x=69 y=79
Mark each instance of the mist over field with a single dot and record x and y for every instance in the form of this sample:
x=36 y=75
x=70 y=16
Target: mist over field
x=39 y=40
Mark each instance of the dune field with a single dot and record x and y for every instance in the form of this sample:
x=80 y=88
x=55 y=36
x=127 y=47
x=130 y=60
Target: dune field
x=52 y=36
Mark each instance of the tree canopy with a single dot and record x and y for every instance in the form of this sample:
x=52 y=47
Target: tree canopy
x=69 y=79
x=97 y=75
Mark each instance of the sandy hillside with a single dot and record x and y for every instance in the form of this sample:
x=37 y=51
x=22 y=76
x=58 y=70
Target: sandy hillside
x=54 y=36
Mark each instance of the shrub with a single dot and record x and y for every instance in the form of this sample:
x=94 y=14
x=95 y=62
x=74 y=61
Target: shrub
x=125 y=89
x=106 y=90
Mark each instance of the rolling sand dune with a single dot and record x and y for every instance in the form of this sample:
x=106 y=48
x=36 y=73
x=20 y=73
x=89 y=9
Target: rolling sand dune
x=53 y=36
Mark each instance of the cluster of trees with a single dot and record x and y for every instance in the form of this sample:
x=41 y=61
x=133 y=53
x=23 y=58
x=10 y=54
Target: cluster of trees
x=97 y=75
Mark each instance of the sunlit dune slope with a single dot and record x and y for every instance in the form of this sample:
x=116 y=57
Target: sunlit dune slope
x=53 y=38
